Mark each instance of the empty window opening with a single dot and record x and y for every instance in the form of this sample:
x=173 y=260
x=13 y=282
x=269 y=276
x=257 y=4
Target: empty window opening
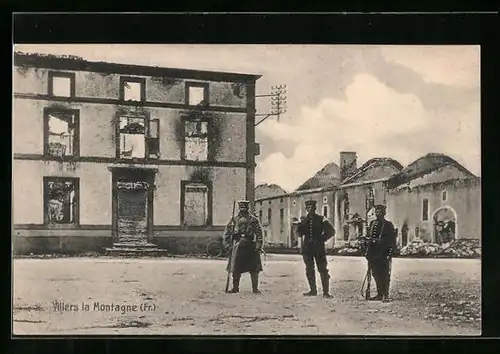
x=196 y=95
x=62 y=133
x=132 y=137
x=132 y=90
x=61 y=86
x=425 y=209
x=282 y=220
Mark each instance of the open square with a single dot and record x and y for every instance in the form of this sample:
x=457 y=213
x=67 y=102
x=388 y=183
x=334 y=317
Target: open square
x=431 y=297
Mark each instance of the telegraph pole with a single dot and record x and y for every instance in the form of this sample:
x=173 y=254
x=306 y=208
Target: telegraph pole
x=278 y=103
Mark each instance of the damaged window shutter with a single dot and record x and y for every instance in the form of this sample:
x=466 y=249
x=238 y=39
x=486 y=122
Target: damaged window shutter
x=153 y=138
x=196 y=205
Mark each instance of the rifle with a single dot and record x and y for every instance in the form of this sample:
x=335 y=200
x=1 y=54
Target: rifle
x=231 y=256
x=368 y=280
x=368 y=276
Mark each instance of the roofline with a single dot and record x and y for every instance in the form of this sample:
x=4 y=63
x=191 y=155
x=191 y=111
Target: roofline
x=296 y=193
x=358 y=172
x=474 y=179
x=363 y=182
x=313 y=190
x=270 y=198
x=398 y=179
x=79 y=64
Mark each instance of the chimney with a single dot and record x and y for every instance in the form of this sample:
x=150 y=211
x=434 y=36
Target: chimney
x=348 y=164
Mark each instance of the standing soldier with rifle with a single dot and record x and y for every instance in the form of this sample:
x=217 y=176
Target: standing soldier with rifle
x=315 y=230
x=245 y=234
x=381 y=242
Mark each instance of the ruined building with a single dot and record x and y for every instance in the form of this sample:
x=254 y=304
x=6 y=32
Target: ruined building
x=109 y=153
x=434 y=199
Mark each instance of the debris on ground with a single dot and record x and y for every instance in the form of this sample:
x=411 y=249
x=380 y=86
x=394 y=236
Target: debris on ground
x=462 y=248
x=462 y=311
x=351 y=248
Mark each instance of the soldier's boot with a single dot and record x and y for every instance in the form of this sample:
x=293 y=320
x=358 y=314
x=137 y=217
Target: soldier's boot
x=325 y=283
x=255 y=282
x=385 y=293
x=236 y=284
x=311 y=278
x=379 y=295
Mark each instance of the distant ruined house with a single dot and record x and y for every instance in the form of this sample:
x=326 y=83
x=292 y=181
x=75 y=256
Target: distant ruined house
x=435 y=199
x=358 y=193
x=268 y=191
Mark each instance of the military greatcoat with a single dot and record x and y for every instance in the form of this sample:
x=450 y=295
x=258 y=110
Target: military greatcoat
x=246 y=232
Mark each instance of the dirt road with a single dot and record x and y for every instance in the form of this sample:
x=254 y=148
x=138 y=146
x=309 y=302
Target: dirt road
x=185 y=296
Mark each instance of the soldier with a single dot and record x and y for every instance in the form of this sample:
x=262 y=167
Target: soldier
x=382 y=240
x=315 y=230
x=245 y=230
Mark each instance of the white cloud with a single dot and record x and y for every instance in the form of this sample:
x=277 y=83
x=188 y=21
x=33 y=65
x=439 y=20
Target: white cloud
x=451 y=65
x=371 y=115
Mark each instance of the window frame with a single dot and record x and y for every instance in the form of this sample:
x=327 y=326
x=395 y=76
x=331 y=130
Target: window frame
x=269 y=216
x=62 y=74
x=208 y=184
x=325 y=207
x=425 y=217
x=147 y=117
x=282 y=220
x=149 y=138
x=76 y=223
x=47 y=111
x=210 y=133
x=140 y=80
x=444 y=196
x=206 y=95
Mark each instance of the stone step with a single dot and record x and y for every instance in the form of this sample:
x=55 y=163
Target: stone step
x=134 y=245
x=136 y=252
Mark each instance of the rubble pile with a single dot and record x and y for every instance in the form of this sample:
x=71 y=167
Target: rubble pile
x=351 y=248
x=463 y=248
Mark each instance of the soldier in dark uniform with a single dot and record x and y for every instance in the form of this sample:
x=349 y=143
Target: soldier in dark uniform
x=315 y=230
x=381 y=242
x=245 y=230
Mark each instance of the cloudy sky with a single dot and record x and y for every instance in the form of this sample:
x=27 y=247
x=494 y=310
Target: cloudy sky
x=380 y=101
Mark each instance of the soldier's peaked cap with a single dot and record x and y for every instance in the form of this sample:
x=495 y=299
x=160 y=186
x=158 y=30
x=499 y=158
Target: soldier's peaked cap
x=380 y=207
x=243 y=203
x=310 y=202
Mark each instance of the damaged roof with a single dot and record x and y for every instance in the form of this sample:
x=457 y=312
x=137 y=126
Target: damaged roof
x=425 y=165
x=265 y=191
x=373 y=163
x=328 y=176
x=71 y=62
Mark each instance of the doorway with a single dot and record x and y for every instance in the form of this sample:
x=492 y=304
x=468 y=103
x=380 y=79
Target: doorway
x=445 y=222
x=133 y=205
